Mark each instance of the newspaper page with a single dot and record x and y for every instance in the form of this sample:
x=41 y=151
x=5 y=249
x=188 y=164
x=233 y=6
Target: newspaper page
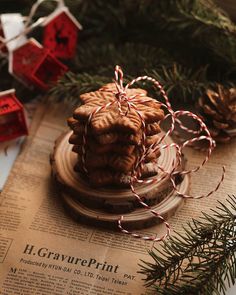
x=44 y=251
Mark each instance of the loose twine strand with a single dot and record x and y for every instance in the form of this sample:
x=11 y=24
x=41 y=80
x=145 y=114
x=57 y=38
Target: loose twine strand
x=122 y=99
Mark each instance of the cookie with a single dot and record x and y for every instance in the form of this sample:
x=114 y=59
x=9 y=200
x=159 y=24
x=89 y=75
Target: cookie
x=78 y=140
x=125 y=150
x=113 y=137
x=79 y=127
x=151 y=140
x=76 y=126
x=152 y=129
x=104 y=176
x=120 y=149
x=109 y=119
x=92 y=100
x=121 y=163
x=108 y=138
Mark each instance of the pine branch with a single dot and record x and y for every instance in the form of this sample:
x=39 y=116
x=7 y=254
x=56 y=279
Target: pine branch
x=195 y=26
x=197 y=16
x=201 y=22
x=71 y=86
x=97 y=57
x=199 y=262
x=181 y=84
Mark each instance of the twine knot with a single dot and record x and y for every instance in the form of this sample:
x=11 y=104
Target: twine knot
x=121 y=94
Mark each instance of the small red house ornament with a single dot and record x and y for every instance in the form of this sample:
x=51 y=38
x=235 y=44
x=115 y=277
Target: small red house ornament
x=12 y=117
x=61 y=33
x=34 y=65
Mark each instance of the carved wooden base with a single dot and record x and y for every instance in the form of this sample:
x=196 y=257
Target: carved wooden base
x=104 y=206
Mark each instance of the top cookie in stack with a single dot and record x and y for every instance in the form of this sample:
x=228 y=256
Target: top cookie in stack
x=113 y=141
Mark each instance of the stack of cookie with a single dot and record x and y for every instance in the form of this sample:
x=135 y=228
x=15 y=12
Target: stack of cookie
x=113 y=141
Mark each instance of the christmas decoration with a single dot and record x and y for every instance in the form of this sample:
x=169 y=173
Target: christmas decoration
x=61 y=33
x=200 y=261
x=29 y=61
x=11 y=26
x=12 y=117
x=218 y=108
x=34 y=65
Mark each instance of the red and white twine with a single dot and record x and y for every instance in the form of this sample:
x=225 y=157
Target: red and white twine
x=130 y=101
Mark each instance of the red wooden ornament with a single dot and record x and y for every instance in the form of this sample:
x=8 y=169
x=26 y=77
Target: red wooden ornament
x=61 y=33
x=34 y=65
x=12 y=117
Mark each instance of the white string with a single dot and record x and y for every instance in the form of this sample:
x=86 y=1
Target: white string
x=60 y=3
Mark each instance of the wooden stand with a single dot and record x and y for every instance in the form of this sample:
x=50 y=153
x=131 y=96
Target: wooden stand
x=104 y=206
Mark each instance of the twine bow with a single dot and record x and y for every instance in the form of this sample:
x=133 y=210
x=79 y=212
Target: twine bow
x=131 y=101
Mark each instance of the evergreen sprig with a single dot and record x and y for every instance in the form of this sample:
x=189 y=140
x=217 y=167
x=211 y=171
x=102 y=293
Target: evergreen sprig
x=71 y=86
x=181 y=83
x=200 y=261
x=203 y=23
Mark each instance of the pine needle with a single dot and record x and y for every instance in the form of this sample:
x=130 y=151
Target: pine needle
x=202 y=261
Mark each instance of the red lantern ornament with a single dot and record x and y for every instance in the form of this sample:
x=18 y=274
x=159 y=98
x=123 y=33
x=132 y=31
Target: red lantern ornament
x=61 y=33
x=11 y=26
x=34 y=65
x=12 y=116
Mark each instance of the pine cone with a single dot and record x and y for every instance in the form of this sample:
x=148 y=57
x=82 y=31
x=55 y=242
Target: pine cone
x=218 y=109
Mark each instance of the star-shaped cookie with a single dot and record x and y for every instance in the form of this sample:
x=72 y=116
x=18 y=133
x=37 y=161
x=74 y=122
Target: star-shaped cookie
x=109 y=119
x=116 y=162
x=79 y=127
